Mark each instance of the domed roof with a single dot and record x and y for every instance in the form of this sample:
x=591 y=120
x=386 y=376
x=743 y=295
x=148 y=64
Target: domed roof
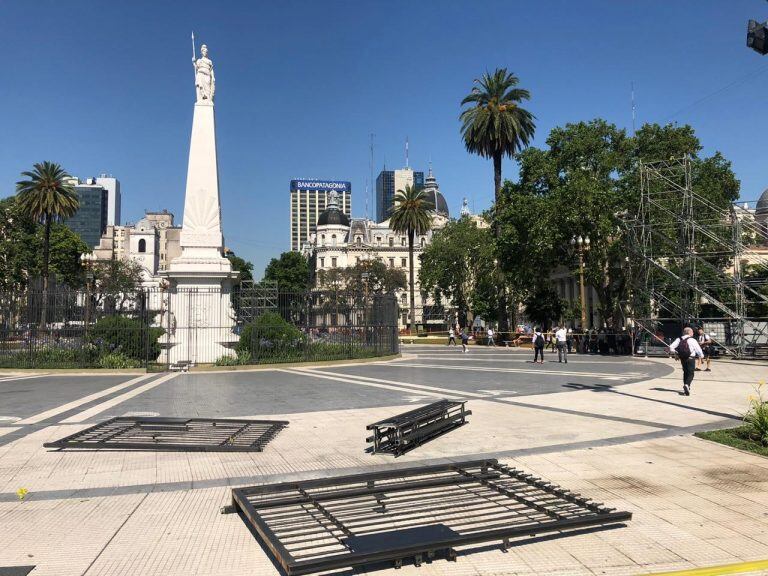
x=762 y=203
x=432 y=191
x=332 y=216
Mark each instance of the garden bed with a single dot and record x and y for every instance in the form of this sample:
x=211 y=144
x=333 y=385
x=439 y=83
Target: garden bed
x=736 y=438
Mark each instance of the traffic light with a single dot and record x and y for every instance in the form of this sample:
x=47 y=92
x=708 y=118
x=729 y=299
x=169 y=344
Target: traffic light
x=757 y=36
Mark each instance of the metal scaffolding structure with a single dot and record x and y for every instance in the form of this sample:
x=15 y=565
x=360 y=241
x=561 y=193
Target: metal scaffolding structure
x=687 y=260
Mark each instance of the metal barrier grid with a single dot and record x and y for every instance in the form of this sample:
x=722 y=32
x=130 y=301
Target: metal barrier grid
x=175 y=434
x=413 y=513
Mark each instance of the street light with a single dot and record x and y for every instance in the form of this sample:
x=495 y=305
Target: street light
x=581 y=244
x=87 y=260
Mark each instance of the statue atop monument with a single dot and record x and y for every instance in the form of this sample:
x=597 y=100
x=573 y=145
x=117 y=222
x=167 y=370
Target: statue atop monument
x=205 y=81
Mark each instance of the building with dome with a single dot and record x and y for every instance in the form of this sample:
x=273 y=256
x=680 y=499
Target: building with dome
x=341 y=242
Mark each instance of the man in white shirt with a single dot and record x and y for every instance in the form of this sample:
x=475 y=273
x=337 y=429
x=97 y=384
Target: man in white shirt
x=489 y=333
x=561 y=337
x=687 y=350
x=705 y=341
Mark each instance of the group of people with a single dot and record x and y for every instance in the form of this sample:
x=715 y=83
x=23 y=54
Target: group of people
x=562 y=340
x=464 y=335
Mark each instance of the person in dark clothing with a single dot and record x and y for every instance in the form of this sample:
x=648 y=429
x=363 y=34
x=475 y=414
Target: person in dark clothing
x=538 y=346
x=688 y=350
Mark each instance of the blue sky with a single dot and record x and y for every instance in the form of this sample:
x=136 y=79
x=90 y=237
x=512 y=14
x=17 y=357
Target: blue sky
x=108 y=87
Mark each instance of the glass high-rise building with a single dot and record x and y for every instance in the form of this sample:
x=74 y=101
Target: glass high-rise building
x=90 y=220
x=388 y=183
x=309 y=198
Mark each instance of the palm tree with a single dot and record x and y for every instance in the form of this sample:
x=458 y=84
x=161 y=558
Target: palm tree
x=496 y=125
x=411 y=215
x=46 y=197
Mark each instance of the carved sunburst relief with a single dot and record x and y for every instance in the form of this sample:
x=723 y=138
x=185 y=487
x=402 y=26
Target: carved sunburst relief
x=202 y=216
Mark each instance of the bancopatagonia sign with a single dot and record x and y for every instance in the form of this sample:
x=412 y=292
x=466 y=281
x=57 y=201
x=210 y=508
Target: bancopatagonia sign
x=339 y=186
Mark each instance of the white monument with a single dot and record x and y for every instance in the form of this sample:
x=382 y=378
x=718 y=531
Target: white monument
x=200 y=279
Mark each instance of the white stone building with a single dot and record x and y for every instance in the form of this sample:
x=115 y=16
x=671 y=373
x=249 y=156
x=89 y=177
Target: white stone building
x=342 y=242
x=152 y=242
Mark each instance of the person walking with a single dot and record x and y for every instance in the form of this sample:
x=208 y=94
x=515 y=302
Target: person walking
x=569 y=340
x=538 y=346
x=464 y=341
x=489 y=334
x=451 y=336
x=688 y=350
x=705 y=342
x=561 y=337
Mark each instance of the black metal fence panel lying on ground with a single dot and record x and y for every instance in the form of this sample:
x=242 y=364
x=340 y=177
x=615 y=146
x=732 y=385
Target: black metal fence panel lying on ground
x=412 y=513
x=157 y=327
x=404 y=432
x=176 y=434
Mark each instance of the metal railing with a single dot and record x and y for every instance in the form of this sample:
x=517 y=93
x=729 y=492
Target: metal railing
x=156 y=328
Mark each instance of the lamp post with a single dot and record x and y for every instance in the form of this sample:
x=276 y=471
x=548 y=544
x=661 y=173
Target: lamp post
x=87 y=260
x=581 y=244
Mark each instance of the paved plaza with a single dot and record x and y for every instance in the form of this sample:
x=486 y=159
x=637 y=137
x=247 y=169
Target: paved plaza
x=615 y=429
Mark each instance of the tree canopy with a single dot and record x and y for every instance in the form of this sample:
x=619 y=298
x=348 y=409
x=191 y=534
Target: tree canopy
x=290 y=271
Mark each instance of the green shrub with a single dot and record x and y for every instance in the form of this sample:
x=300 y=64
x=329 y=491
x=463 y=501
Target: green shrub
x=51 y=357
x=756 y=417
x=118 y=360
x=270 y=334
x=127 y=336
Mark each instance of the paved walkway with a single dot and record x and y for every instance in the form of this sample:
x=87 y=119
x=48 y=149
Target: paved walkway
x=613 y=429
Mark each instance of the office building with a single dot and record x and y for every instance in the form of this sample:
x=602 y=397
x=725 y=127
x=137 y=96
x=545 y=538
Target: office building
x=388 y=183
x=112 y=186
x=309 y=198
x=90 y=220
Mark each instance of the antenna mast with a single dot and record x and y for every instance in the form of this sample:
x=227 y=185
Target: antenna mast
x=373 y=186
x=407 y=164
x=632 y=89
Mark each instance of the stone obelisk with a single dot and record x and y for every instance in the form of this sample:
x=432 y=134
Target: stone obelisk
x=200 y=279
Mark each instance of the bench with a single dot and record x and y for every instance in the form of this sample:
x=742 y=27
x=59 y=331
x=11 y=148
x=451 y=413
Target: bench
x=180 y=366
x=404 y=432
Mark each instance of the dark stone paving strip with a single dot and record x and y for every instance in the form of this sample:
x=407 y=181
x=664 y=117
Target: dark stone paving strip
x=271 y=478
x=27 y=429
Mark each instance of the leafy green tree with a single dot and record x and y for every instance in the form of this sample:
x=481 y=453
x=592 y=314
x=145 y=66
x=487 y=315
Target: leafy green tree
x=412 y=215
x=243 y=266
x=373 y=277
x=46 y=197
x=496 y=125
x=290 y=271
x=457 y=266
x=543 y=306
x=21 y=249
x=116 y=282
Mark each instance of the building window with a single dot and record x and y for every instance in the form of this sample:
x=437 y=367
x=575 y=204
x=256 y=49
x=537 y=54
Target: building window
x=402 y=241
x=391 y=241
x=391 y=262
x=333 y=240
x=333 y=262
x=404 y=298
x=402 y=262
x=322 y=240
x=378 y=239
x=142 y=245
x=358 y=240
x=423 y=242
x=322 y=262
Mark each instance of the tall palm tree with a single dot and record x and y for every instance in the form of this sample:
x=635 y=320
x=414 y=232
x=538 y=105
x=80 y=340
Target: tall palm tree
x=46 y=197
x=496 y=125
x=412 y=215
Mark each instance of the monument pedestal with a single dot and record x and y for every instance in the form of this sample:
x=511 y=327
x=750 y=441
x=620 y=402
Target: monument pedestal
x=201 y=316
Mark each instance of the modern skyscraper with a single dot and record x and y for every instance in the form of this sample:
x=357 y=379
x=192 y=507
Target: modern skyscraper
x=112 y=186
x=388 y=183
x=90 y=220
x=308 y=199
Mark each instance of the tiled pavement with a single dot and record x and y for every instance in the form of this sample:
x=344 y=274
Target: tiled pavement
x=694 y=503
